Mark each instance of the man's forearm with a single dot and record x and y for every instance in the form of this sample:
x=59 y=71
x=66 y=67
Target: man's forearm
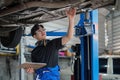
x=71 y=28
x=71 y=15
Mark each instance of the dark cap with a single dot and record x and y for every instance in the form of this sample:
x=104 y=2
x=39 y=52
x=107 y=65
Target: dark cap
x=35 y=28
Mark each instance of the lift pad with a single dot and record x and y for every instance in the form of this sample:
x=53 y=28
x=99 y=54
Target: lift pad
x=32 y=65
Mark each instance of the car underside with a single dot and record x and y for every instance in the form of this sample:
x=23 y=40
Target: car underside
x=15 y=13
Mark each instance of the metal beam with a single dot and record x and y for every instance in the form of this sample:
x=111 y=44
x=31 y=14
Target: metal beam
x=52 y=34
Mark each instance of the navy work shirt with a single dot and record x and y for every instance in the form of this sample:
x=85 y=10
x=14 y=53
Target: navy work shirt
x=47 y=54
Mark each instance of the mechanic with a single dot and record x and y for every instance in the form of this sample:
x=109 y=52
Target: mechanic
x=46 y=51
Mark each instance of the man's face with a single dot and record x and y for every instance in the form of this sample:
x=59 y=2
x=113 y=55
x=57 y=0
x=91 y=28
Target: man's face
x=40 y=34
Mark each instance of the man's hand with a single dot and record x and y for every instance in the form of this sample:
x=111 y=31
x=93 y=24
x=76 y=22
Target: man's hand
x=29 y=70
x=71 y=13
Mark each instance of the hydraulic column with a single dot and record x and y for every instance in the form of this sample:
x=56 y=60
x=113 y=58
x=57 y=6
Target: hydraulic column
x=87 y=30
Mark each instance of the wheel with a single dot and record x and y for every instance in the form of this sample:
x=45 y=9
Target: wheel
x=13 y=39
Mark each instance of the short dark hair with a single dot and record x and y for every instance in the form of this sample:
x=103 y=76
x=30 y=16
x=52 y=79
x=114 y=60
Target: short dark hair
x=35 y=28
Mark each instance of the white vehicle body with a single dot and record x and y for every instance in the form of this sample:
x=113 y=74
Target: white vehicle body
x=109 y=67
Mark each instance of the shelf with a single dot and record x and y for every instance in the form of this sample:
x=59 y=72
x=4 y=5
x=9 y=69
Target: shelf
x=65 y=57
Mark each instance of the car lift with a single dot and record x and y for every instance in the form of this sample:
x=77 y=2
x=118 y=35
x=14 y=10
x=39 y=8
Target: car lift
x=86 y=64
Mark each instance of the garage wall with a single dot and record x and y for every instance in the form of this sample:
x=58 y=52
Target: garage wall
x=101 y=28
x=103 y=12
x=114 y=32
x=9 y=71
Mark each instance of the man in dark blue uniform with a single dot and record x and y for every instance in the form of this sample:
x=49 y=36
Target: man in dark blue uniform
x=47 y=51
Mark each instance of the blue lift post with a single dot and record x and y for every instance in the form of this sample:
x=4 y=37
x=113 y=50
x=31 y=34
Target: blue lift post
x=88 y=33
x=95 y=48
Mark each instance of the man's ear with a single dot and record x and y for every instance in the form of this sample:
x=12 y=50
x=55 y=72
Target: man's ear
x=34 y=36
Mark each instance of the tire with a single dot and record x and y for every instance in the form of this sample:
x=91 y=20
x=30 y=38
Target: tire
x=13 y=39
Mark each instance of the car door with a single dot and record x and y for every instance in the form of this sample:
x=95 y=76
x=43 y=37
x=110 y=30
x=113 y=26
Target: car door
x=103 y=68
x=116 y=69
